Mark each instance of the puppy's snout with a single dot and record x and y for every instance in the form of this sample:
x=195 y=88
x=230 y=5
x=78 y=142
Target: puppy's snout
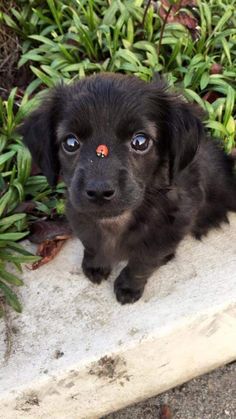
x=100 y=191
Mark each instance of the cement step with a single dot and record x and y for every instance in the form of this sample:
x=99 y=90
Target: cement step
x=77 y=353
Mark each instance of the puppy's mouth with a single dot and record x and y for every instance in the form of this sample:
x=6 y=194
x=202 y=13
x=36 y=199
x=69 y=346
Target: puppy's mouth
x=112 y=215
x=106 y=211
x=102 y=213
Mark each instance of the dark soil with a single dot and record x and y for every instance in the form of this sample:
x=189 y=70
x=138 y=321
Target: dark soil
x=10 y=51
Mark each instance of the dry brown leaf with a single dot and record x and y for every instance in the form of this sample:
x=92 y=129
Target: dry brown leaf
x=47 y=230
x=176 y=15
x=165 y=412
x=47 y=250
x=211 y=96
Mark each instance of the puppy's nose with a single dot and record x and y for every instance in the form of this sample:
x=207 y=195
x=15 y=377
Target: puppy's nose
x=100 y=191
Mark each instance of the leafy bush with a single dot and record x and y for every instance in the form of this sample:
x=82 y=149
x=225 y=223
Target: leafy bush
x=17 y=185
x=70 y=39
x=66 y=40
x=15 y=166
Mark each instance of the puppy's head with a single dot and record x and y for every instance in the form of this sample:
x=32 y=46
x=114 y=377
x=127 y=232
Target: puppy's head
x=143 y=128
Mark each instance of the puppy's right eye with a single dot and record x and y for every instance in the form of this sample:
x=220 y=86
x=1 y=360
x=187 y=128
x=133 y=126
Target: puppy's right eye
x=71 y=144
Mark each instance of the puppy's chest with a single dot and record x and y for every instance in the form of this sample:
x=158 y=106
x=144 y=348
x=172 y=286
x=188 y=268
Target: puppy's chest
x=112 y=236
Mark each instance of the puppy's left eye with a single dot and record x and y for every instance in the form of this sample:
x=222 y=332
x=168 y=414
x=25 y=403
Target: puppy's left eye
x=140 y=142
x=71 y=144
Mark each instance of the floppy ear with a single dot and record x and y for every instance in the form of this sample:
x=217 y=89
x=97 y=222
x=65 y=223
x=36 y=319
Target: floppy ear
x=39 y=135
x=179 y=123
x=186 y=133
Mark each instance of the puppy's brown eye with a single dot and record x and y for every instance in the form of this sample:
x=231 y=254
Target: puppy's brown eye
x=71 y=144
x=140 y=142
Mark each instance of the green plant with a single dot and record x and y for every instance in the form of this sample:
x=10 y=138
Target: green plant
x=15 y=166
x=16 y=185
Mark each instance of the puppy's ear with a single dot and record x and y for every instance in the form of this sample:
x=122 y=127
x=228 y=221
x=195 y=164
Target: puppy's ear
x=179 y=122
x=39 y=135
x=186 y=133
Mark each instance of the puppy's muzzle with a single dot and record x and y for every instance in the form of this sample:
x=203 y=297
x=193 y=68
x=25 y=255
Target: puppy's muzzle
x=98 y=191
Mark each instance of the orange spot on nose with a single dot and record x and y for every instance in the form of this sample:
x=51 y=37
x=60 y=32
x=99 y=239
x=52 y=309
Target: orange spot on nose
x=102 y=150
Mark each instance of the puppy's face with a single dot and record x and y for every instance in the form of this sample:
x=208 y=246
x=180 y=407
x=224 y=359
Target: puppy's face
x=140 y=125
x=106 y=185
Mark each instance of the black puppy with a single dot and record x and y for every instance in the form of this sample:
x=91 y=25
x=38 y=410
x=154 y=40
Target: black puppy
x=140 y=171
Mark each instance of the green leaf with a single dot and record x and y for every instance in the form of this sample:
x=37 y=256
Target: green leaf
x=229 y=104
x=13 y=236
x=110 y=13
x=43 y=40
x=23 y=165
x=226 y=16
x=18 y=259
x=217 y=126
x=231 y=126
x=45 y=79
x=5 y=200
x=191 y=95
x=11 y=297
x=9 y=108
x=226 y=47
x=6 y=156
x=11 y=219
x=55 y=14
x=9 y=21
x=204 y=80
x=9 y=277
x=30 y=56
x=20 y=189
x=18 y=248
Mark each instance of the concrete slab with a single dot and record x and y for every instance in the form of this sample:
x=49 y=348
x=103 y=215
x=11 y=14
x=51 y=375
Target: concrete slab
x=77 y=353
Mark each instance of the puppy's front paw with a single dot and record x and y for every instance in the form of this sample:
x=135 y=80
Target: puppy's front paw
x=125 y=293
x=96 y=275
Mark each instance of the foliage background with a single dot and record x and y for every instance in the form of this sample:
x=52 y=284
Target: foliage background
x=191 y=43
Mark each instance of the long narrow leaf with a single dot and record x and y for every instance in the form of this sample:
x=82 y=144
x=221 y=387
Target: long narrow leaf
x=11 y=297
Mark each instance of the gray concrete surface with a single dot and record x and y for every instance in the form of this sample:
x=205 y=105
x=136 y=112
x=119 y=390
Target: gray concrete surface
x=76 y=353
x=212 y=396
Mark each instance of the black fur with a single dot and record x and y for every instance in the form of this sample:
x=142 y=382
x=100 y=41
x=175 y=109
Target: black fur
x=183 y=184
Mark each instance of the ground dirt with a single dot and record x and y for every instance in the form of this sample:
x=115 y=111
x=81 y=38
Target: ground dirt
x=10 y=51
x=212 y=396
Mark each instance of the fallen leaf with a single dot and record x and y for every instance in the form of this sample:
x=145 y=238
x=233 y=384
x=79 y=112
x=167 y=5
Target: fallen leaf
x=188 y=3
x=186 y=20
x=47 y=250
x=41 y=231
x=211 y=96
x=179 y=4
x=50 y=235
x=28 y=207
x=165 y=412
x=176 y=15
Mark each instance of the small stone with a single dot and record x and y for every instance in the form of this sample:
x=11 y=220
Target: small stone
x=58 y=354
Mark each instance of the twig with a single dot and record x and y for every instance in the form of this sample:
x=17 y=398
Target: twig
x=145 y=12
x=179 y=5
x=163 y=28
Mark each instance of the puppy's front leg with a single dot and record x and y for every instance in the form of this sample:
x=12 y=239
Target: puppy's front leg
x=130 y=283
x=94 y=270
